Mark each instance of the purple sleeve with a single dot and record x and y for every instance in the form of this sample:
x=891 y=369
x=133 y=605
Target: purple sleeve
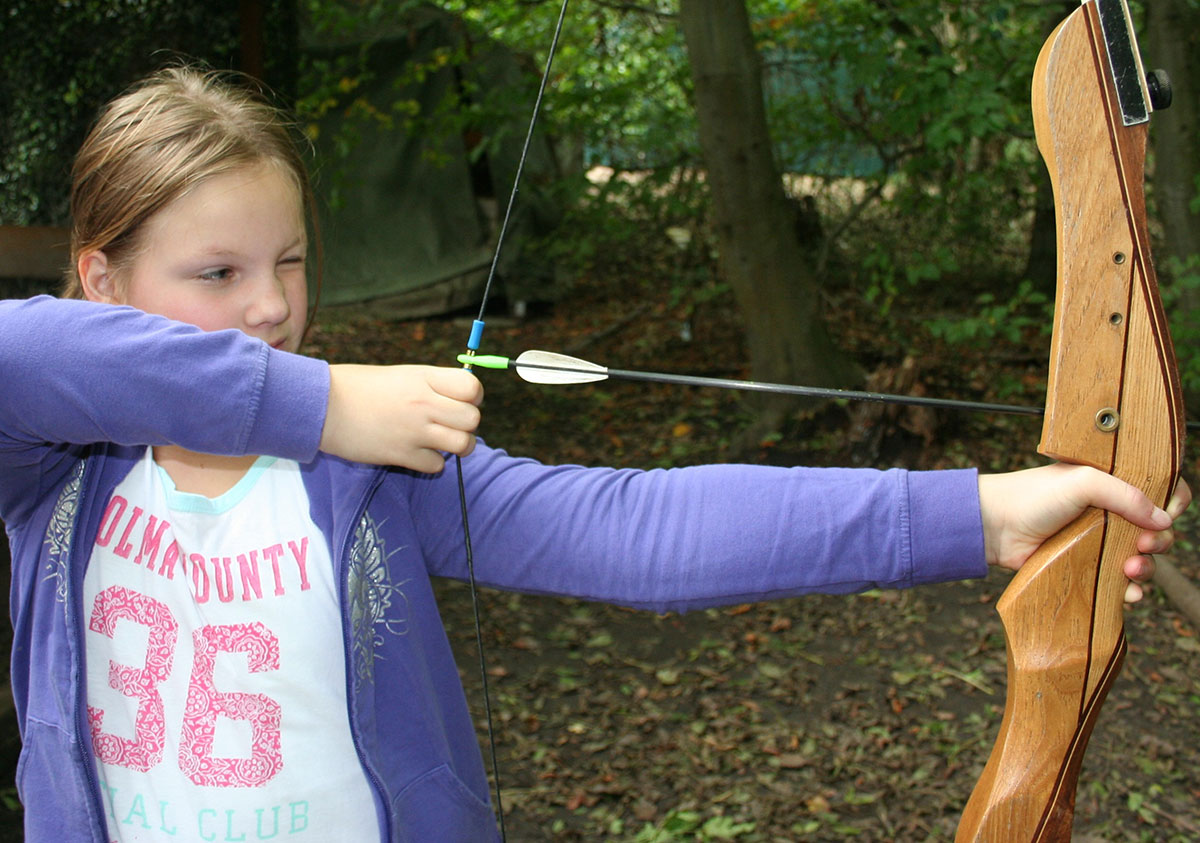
x=687 y=538
x=75 y=372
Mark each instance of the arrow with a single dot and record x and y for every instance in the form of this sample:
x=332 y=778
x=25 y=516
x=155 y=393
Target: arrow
x=549 y=367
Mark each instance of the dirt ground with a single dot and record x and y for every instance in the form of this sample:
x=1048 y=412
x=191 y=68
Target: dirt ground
x=863 y=717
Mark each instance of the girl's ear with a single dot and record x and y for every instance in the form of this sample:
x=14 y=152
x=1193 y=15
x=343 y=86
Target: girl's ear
x=94 y=277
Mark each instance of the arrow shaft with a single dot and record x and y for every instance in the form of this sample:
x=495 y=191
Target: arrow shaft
x=790 y=389
x=594 y=372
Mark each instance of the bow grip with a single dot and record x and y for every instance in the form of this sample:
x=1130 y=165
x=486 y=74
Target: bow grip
x=1065 y=638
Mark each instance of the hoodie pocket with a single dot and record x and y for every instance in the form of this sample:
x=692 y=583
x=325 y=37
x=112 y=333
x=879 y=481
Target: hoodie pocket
x=439 y=808
x=54 y=790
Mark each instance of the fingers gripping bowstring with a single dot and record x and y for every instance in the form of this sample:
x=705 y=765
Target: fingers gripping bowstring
x=472 y=347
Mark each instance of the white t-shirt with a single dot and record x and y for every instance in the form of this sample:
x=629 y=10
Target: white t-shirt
x=216 y=681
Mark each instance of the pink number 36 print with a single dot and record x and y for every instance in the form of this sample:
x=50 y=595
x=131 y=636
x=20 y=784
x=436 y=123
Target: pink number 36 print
x=204 y=702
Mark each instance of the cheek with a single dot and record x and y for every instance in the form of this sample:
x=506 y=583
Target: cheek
x=296 y=292
x=185 y=305
x=201 y=312
x=148 y=288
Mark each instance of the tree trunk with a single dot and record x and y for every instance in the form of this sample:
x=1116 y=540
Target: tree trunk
x=1173 y=42
x=771 y=276
x=268 y=44
x=1041 y=267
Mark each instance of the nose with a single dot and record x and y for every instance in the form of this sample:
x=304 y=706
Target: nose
x=268 y=303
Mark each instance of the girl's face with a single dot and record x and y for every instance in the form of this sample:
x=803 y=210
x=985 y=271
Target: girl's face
x=228 y=254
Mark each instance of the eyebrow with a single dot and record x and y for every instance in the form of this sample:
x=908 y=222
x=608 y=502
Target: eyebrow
x=215 y=251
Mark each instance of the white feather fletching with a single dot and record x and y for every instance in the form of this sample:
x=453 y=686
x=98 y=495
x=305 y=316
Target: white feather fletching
x=563 y=369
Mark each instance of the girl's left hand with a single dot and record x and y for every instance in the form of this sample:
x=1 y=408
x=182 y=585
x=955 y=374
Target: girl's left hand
x=1024 y=508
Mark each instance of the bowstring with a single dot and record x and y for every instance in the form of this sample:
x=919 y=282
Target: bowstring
x=512 y=196
x=473 y=346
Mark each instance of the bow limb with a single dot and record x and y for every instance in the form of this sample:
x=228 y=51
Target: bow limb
x=1113 y=402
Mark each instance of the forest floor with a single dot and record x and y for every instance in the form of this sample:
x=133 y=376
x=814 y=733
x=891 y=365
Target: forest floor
x=821 y=718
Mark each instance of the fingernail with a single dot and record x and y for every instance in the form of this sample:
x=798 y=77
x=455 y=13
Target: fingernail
x=1160 y=518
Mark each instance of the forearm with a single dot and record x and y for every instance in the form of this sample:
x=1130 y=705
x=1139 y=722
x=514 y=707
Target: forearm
x=77 y=372
x=687 y=538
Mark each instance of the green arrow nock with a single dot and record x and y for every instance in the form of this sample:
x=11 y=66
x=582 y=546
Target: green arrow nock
x=484 y=361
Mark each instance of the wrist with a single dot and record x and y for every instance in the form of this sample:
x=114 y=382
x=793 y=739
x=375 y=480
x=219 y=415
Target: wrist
x=990 y=516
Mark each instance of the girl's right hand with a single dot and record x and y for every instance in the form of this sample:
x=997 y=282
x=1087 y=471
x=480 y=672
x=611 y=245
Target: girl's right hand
x=401 y=415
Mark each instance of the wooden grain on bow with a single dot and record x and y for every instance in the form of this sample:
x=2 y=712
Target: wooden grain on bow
x=1113 y=402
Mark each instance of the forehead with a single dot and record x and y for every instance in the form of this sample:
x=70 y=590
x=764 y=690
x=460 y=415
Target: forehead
x=243 y=202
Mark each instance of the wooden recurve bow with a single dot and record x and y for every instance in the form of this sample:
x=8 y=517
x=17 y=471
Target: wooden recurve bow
x=1113 y=402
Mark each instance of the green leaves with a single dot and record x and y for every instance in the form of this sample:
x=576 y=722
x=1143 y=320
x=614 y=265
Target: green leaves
x=990 y=318
x=62 y=60
x=1185 y=321
x=691 y=825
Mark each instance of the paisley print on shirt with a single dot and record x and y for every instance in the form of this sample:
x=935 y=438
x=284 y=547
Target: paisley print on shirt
x=377 y=605
x=60 y=531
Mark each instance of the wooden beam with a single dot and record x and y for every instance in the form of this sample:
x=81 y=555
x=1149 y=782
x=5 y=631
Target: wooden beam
x=33 y=251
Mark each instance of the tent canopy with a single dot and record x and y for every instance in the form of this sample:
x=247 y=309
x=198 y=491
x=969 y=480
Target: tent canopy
x=410 y=218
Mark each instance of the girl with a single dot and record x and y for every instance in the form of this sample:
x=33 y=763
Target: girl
x=224 y=627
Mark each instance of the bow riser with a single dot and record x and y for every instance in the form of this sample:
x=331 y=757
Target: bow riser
x=1113 y=402
x=1110 y=348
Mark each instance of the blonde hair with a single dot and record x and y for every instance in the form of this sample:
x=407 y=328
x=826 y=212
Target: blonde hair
x=159 y=140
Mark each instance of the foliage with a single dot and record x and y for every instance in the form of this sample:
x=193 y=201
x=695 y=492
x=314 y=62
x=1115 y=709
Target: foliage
x=62 y=60
x=1185 y=323
x=617 y=95
x=52 y=85
x=907 y=123
x=620 y=76
x=925 y=106
x=9 y=799
x=692 y=825
x=342 y=63
x=991 y=318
